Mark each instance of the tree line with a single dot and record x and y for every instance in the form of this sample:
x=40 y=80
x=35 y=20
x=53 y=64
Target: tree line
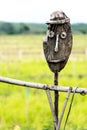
x=35 y=28
x=22 y=28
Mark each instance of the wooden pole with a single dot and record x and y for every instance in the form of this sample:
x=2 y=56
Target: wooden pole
x=43 y=86
x=56 y=99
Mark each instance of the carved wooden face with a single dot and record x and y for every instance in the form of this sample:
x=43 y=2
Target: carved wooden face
x=57 y=45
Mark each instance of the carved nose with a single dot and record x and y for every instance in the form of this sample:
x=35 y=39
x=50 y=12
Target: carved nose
x=56 y=46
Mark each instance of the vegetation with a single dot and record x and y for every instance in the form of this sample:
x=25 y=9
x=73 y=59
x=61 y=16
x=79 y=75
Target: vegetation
x=22 y=28
x=79 y=28
x=21 y=57
x=35 y=28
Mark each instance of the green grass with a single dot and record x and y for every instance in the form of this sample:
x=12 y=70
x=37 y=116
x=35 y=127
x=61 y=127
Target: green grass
x=21 y=57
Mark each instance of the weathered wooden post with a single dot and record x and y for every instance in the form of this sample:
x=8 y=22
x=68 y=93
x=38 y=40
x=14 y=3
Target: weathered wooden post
x=57 y=47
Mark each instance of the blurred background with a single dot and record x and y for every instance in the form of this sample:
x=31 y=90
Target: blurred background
x=22 y=28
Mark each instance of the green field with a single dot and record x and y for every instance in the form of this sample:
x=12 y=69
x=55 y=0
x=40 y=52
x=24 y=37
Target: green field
x=21 y=57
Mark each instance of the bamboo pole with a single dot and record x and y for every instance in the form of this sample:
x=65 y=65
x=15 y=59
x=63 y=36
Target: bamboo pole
x=42 y=86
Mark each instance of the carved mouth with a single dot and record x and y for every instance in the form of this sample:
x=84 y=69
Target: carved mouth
x=57 y=61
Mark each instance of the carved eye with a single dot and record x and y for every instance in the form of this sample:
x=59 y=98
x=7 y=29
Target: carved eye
x=51 y=34
x=63 y=35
